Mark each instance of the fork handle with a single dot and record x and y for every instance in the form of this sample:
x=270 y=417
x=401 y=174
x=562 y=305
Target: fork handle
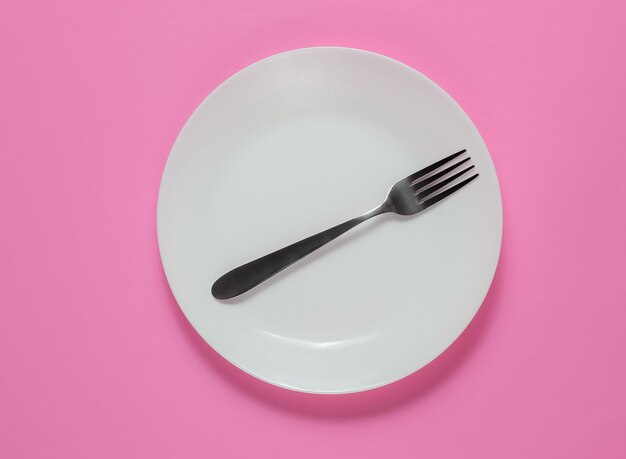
x=248 y=276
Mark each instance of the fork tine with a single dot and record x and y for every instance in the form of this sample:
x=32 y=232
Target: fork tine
x=435 y=199
x=433 y=166
x=427 y=181
x=437 y=186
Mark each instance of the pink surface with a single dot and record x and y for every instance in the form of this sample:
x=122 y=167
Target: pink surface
x=97 y=360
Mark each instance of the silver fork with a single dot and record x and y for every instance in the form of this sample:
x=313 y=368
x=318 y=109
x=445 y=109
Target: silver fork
x=409 y=196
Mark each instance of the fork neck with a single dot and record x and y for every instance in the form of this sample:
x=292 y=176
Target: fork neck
x=383 y=208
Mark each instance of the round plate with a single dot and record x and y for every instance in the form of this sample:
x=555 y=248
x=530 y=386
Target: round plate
x=293 y=145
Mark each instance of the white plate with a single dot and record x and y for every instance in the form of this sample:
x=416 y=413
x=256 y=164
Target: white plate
x=292 y=145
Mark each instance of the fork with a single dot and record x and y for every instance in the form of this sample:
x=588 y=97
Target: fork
x=409 y=196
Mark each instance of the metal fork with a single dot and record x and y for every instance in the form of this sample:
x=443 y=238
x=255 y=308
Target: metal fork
x=409 y=196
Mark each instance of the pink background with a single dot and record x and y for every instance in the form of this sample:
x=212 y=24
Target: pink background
x=96 y=359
